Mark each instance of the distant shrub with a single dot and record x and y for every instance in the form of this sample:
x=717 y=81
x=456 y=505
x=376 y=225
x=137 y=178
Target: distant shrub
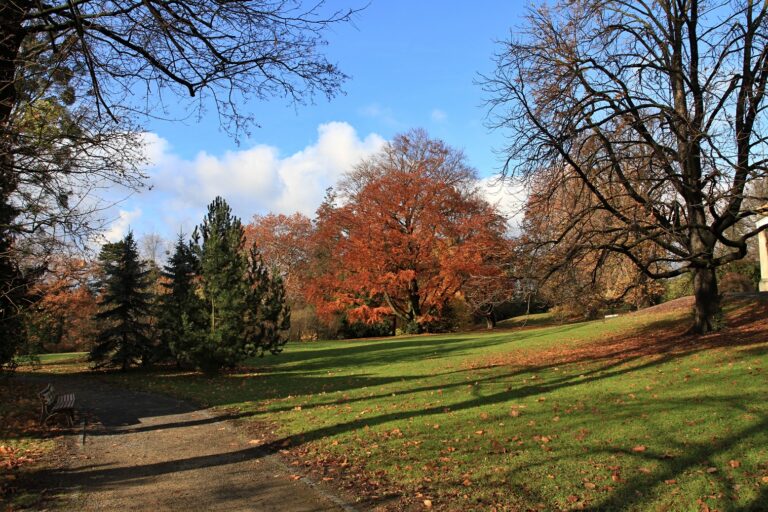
x=733 y=282
x=352 y=330
x=681 y=286
x=748 y=270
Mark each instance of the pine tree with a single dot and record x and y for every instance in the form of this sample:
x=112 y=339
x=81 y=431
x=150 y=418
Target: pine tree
x=222 y=268
x=181 y=310
x=125 y=306
x=267 y=314
x=244 y=308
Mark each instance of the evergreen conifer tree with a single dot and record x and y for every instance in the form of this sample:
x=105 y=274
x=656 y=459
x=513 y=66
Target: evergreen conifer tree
x=222 y=270
x=181 y=309
x=267 y=313
x=125 y=307
x=244 y=308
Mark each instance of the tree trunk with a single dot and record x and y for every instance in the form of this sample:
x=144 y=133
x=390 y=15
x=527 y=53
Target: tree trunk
x=11 y=37
x=12 y=284
x=490 y=318
x=707 y=314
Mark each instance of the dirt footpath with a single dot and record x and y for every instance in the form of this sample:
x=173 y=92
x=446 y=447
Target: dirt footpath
x=154 y=453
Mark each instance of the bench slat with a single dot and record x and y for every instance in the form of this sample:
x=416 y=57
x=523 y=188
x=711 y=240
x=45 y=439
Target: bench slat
x=63 y=402
x=53 y=404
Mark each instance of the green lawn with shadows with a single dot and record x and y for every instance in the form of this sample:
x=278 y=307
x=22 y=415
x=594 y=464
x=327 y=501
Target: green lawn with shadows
x=623 y=414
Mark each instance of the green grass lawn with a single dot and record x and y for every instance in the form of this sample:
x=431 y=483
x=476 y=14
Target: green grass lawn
x=623 y=414
x=64 y=358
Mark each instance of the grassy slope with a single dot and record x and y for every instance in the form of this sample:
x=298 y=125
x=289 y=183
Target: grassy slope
x=627 y=414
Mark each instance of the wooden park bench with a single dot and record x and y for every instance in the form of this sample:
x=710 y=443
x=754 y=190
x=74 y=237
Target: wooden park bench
x=52 y=404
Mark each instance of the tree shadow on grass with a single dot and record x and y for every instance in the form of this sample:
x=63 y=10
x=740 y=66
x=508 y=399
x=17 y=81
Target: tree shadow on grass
x=655 y=345
x=625 y=495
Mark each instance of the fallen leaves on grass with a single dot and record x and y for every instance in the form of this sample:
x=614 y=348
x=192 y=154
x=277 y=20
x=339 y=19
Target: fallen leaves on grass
x=21 y=436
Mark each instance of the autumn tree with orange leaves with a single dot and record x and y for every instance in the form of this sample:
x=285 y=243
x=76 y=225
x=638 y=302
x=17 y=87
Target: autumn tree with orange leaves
x=411 y=229
x=61 y=317
x=283 y=242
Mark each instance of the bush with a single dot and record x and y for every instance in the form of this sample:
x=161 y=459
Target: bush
x=733 y=282
x=680 y=286
x=353 y=330
x=748 y=272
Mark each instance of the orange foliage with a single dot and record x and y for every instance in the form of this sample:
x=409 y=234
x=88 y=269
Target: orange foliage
x=411 y=232
x=283 y=242
x=66 y=307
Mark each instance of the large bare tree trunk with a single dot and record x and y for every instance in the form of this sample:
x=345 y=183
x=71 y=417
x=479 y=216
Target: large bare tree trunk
x=707 y=307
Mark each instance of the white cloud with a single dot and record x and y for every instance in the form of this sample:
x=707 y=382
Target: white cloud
x=120 y=226
x=253 y=180
x=260 y=180
x=438 y=115
x=508 y=196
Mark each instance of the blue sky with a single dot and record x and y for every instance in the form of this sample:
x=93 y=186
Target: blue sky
x=411 y=64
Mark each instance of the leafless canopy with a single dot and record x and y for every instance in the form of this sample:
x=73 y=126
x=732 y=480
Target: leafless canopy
x=78 y=76
x=234 y=50
x=653 y=111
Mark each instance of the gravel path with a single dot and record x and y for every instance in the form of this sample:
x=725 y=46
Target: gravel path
x=152 y=452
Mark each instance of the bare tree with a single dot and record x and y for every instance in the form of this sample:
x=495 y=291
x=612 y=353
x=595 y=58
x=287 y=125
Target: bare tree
x=657 y=110
x=154 y=249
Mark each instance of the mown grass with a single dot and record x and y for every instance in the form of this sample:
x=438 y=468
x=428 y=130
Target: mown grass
x=532 y=320
x=623 y=414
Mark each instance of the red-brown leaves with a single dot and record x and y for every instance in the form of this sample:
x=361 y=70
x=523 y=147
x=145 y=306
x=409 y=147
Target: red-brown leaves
x=411 y=232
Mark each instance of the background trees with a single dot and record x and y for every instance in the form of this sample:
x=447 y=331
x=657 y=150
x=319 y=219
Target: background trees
x=62 y=316
x=658 y=110
x=411 y=231
x=77 y=77
x=285 y=244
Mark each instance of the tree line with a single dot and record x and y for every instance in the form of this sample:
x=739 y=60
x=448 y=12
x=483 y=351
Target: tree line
x=638 y=129
x=78 y=79
x=216 y=304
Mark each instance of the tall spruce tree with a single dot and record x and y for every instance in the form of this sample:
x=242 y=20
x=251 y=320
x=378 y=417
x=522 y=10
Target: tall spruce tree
x=125 y=306
x=181 y=319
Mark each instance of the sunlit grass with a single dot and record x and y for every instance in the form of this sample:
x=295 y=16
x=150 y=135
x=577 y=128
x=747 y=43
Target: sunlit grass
x=559 y=417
